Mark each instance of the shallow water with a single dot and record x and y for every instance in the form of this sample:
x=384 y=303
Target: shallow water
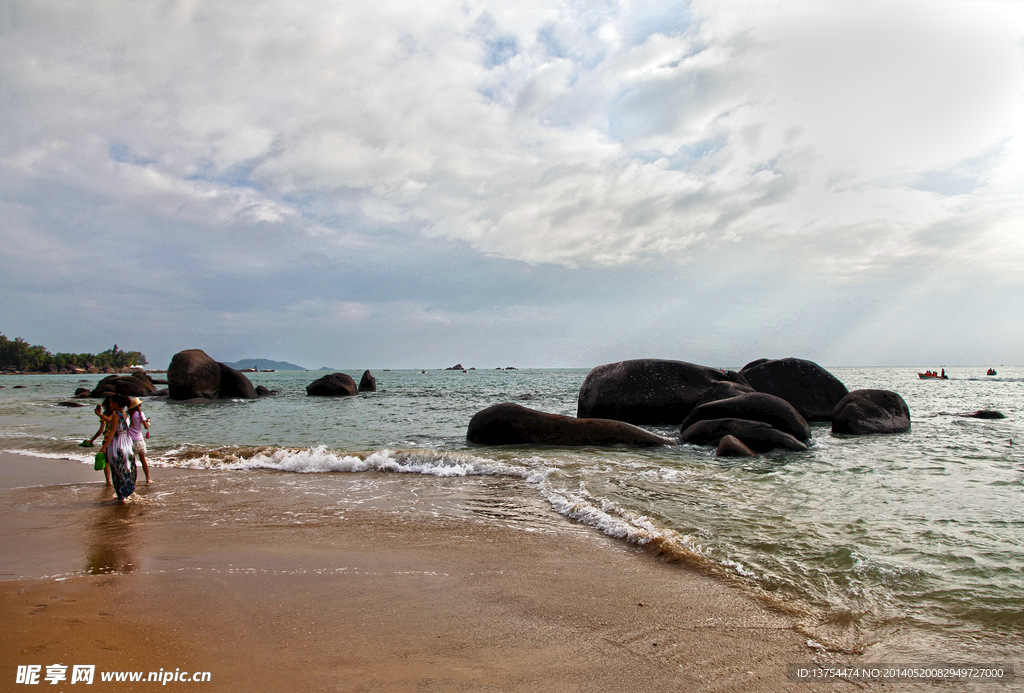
x=903 y=545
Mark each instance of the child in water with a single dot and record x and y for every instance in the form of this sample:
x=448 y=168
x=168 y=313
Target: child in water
x=136 y=420
x=106 y=421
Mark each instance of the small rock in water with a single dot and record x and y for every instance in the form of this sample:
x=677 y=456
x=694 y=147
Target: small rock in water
x=731 y=446
x=987 y=414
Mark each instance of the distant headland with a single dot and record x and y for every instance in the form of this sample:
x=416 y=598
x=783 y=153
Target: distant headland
x=264 y=365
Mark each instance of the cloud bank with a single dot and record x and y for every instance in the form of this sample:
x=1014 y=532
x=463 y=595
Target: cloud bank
x=532 y=183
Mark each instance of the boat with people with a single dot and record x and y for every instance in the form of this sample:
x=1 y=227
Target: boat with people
x=932 y=375
x=991 y=371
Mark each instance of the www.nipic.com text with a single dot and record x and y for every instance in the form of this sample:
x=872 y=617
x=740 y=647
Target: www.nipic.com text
x=34 y=674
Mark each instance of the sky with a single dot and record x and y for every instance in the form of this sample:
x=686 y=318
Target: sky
x=415 y=184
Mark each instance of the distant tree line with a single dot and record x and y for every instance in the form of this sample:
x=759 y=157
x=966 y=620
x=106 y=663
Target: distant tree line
x=17 y=354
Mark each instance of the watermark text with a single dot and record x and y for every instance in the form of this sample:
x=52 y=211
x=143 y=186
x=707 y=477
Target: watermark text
x=53 y=674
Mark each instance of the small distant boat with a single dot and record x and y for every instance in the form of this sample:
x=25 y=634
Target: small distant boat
x=991 y=371
x=932 y=375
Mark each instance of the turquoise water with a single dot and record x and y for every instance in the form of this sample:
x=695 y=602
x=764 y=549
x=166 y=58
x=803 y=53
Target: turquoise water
x=898 y=546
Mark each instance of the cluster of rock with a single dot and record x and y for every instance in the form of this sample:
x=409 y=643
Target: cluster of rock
x=341 y=385
x=765 y=406
x=194 y=376
x=136 y=384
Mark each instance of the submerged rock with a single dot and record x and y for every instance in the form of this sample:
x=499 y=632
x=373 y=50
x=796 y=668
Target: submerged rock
x=983 y=414
x=731 y=446
x=868 y=412
x=514 y=424
x=646 y=391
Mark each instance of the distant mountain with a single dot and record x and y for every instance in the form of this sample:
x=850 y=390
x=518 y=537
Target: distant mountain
x=264 y=365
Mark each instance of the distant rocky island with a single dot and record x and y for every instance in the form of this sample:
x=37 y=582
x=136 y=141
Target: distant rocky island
x=264 y=365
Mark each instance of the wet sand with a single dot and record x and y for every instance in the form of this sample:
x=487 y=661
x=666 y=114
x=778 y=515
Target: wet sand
x=269 y=587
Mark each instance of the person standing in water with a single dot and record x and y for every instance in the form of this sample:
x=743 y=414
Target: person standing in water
x=120 y=453
x=106 y=423
x=136 y=421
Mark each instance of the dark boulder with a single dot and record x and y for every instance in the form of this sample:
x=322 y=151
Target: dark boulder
x=135 y=384
x=513 y=424
x=756 y=435
x=333 y=385
x=731 y=446
x=724 y=390
x=234 y=384
x=265 y=392
x=367 y=383
x=807 y=386
x=82 y=392
x=646 y=391
x=865 y=412
x=754 y=406
x=70 y=404
x=193 y=374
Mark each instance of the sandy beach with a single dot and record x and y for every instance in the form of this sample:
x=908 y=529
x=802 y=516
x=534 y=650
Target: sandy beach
x=269 y=590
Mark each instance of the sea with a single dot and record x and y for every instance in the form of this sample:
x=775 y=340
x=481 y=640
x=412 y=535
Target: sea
x=895 y=548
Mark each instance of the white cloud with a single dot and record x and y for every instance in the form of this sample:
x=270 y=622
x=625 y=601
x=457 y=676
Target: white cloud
x=846 y=141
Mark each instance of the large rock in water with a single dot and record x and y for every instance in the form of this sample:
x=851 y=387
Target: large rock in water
x=333 y=385
x=646 y=391
x=866 y=412
x=194 y=375
x=756 y=435
x=812 y=390
x=754 y=406
x=137 y=384
x=234 y=384
x=513 y=424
